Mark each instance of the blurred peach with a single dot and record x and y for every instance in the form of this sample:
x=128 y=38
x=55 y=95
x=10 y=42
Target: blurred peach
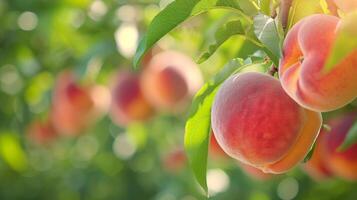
x=41 y=132
x=128 y=103
x=170 y=79
x=214 y=149
x=341 y=163
x=317 y=167
x=175 y=160
x=75 y=106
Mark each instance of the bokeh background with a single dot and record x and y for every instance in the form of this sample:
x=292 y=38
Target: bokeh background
x=96 y=41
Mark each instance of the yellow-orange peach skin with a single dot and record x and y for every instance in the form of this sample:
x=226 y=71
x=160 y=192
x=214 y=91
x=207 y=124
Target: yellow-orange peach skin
x=257 y=123
x=305 y=51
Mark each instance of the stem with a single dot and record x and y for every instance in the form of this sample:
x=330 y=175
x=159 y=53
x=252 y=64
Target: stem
x=284 y=12
x=273 y=69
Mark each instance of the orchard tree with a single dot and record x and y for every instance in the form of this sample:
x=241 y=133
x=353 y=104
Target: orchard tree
x=308 y=50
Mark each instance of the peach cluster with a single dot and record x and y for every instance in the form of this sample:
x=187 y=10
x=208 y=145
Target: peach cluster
x=74 y=108
x=271 y=125
x=168 y=80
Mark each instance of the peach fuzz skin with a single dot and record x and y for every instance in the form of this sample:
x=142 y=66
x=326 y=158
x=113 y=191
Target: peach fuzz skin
x=257 y=123
x=305 y=52
x=217 y=152
x=342 y=164
x=128 y=103
x=169 y=80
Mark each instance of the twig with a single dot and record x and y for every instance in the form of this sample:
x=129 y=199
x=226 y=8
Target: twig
x=273 y=69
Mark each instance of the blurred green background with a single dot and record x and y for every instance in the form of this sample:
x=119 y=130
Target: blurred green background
x=41 y=38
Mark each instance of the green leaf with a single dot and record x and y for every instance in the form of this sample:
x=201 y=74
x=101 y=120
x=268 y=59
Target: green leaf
x=172 y=16
x=351 y=138
x=267 y=32
x=198 y=125
x=223 y=34
x=311 y=152
x=346 y=41
x=247 y=48
x=265 y=6
x=302 y=8
x=249 y=7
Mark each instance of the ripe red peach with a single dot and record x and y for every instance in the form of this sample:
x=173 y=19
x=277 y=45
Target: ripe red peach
x=75 y=106
x=316 y=167
x=128 y=102
x=41 y=132
x=342 y=163
x=170 y=79
x=346 y=5
x=257 y=123
x=305 y=51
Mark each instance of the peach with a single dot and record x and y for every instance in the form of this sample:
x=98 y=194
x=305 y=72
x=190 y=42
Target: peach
x=128 y=103
x=170 y=79
x=149 y=55
x=174 y=161
x=214 y=149
x=317 y=167
x=74 y=106
x=255 y=173
x=41 y=132
x=257 y=123
x=346 y=5
x=306 y=48
x=342 y=164
x=217 y=152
